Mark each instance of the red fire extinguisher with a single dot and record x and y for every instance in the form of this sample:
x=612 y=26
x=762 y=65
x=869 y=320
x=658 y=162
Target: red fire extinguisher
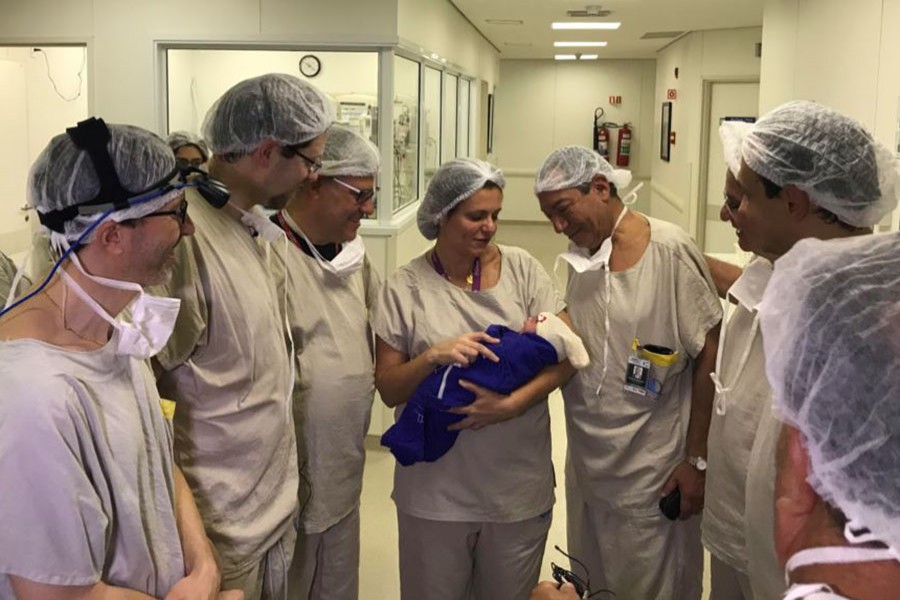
x=601 y=134
x=623 y=154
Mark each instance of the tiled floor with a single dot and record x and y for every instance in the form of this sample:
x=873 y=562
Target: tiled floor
x=379 y=579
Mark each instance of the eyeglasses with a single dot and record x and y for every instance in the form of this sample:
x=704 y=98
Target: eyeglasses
x=189 y=162
x=361 y=196
x=179 y=213
x=312 y=165
x=731 y=204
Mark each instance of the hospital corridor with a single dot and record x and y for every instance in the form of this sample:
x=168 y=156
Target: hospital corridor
x=449 y=300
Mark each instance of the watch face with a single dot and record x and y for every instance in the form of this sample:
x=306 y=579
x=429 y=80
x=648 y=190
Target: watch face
x=310 y=65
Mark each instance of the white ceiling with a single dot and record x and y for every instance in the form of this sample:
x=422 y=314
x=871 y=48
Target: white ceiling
x=534 y=38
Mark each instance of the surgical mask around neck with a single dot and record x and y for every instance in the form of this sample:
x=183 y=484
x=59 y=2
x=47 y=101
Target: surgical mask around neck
x=348 y=261
x=582 y=262
x=855 y=534
x=152 y=317
x=260 y=223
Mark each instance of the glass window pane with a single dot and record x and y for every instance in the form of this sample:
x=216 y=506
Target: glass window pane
x=406 y=131
x=462 y=120
x=448 y=126
x=432 y=127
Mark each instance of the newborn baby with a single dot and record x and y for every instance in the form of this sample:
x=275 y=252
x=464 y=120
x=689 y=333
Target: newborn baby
x=420 y=434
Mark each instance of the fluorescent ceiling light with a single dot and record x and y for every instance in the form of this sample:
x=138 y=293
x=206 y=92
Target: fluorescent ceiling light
x=565 y=57
x=579 y=44
x=589 y=56
x=594 y=25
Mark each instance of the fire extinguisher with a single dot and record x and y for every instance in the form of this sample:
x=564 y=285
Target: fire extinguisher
x=601 y=134
x=624 y=151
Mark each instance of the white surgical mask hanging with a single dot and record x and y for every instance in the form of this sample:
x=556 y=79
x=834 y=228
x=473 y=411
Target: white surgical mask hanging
x=260 y=223
x=855 y=533
x=582 y=263
x=152 y=317
x=349 y=260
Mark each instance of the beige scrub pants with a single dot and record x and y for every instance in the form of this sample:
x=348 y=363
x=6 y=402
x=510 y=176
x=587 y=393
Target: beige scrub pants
x=451 y=560
x=268 y=578
x=639 y=555
x=326 y=565
x=726 y=582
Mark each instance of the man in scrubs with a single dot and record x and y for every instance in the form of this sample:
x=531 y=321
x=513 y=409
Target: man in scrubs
x=228 y=366
x=331 y=285
x=92 y=503
x=637 y=418
x=806 y=172
x=830 y=319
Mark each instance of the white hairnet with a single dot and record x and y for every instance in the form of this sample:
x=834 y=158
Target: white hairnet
x=570 y=166
x=732 y=134
x=349 y=154
x=455 y=181
x=830 y=321
x=276 y=107
x=177 y=139
x=829 y=156
x=63 y=175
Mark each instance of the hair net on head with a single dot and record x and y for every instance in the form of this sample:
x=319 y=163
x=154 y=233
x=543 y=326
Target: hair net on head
x=830 y=321
x=455 y=181
x=732 y=134
x=177 y=139
x=276 y=107
x=829 y=156
x=349 y=154
x=570 y=166
x=63 y=175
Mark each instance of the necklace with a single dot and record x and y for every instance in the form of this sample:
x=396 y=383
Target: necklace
x=473 y=279
x=69 y=329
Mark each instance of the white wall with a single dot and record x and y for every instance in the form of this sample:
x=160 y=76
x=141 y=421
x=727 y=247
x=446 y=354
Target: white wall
x=32 y=113
x=716 y=55
x=842 y=55
x=544 y=104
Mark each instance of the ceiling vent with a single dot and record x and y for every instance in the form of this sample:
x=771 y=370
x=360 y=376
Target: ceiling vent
x=661 y=35
x=518 y=44
x=590 y=11
x=504 y=21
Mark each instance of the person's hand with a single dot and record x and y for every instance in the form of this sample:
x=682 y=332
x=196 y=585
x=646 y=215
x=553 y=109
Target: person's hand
x=230 y=595
x=463 y=350
x=691 y=482
x=547 y=590
x=488 y=408
x=201 y=584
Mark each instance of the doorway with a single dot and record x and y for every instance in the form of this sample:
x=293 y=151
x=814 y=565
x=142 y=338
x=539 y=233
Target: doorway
x=722 y=100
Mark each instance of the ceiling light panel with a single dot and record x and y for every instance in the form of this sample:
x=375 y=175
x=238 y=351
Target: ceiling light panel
x=565 y=57
x=579 y=44
x=595 y=25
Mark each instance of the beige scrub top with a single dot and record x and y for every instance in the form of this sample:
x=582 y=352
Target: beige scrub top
x=501 y=473
x=227 y=367
x=623 y=446
x=8 y=271
x=746 y=396
x=334 y=384
x=87 y=471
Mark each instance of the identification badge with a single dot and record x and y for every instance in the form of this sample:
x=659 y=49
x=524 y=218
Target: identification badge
x=637 y=375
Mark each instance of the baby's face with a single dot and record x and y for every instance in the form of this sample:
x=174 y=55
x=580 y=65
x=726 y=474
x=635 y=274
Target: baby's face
x=530 y=325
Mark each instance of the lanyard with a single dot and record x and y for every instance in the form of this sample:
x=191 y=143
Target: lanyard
x=292 y=235
x=473 y=278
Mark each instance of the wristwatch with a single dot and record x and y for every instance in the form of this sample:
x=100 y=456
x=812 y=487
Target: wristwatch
x=698 y=462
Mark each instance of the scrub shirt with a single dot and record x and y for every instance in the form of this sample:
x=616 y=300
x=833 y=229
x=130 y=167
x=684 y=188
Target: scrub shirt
x=735 y=420
x=501 y=473
x=227 y=367
x=334 y=385
x=623 y=446
x=87 y=470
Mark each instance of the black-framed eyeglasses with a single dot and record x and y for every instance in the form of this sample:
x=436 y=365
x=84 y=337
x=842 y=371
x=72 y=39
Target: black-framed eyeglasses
x=312 y=164
x=361 y=196
x=189 y=162
x=179 y=213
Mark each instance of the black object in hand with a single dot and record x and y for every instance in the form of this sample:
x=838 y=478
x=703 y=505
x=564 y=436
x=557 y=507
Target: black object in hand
x=562 y=576
x=671 y=505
